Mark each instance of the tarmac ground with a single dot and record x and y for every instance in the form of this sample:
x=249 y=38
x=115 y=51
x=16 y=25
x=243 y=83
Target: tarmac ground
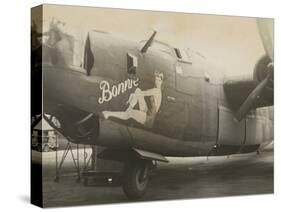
x=182 y=178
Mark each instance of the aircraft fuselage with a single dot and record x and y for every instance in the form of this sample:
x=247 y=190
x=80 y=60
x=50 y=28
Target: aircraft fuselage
x=184 y=113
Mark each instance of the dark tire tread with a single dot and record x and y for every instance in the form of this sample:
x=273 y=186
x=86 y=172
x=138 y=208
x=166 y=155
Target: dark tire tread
x=129 y=184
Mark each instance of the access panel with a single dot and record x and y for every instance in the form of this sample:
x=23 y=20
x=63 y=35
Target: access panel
x=230 y=132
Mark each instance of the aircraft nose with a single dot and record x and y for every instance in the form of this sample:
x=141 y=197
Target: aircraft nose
x=68 y=86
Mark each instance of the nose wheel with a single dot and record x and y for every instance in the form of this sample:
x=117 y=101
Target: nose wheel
x=136 y=179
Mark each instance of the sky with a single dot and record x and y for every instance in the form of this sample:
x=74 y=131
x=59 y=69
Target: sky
x=231 y=43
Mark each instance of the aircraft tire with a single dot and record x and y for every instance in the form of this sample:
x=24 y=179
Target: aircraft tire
x=136 y=180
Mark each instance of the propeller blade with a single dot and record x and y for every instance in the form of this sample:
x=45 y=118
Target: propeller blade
x=265 y=27
x=251 y=99
x=266 y=30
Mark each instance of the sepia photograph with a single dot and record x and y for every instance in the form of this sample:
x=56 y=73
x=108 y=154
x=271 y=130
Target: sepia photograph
x=136 y=105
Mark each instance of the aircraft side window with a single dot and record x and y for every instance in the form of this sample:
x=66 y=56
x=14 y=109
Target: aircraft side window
x=89 y=58
x=132 y=63
x=178 y=53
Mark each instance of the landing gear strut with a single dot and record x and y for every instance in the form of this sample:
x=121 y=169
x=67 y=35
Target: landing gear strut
x=133 y=176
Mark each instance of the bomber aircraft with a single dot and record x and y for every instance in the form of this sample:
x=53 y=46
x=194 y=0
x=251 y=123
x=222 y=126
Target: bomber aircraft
x=146 y=100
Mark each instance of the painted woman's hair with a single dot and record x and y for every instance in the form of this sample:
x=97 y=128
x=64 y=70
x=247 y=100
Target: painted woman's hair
x=159 y=74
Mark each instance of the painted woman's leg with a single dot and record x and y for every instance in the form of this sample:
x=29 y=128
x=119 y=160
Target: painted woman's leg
x=142 y=104
x=138 y=116
x=133 y=99
x=120 y=115
x=137 y=99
